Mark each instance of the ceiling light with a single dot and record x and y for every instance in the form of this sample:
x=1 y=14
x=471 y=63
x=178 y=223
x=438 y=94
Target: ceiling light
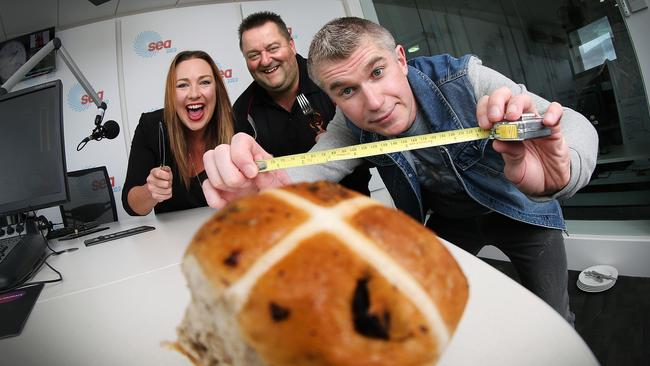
x=98 y=2
x=414 y=48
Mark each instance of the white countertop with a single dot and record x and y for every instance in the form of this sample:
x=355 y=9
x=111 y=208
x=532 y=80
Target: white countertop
x=122 y=299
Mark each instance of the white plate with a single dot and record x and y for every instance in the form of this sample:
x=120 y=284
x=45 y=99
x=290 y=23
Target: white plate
x=591 y=284
x=600 y=289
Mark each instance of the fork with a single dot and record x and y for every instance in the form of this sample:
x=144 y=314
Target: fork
x=305 y=106
x=599 y=276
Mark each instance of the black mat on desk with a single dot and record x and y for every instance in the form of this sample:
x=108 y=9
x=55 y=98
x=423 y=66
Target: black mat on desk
x=15 y=307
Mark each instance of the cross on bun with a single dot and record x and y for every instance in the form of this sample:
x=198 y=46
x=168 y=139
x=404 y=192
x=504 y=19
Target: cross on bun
x=315 y=274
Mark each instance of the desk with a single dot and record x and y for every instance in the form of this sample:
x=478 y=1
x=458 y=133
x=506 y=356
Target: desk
x=119 y=300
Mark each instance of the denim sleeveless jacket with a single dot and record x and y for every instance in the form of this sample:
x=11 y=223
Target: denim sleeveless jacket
x=446 y=98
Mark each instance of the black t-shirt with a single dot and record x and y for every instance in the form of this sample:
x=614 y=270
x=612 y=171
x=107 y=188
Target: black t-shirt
x=145 y=155
x=283 y=133
x=442 y=190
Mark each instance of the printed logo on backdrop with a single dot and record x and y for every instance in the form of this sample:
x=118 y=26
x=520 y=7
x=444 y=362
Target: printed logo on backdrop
x=100 y=184
x=226 y=73
x=79 y=101
x=149 y=44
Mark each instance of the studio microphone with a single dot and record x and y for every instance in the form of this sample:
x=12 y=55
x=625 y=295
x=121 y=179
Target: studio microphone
x=109 y=130
x=100 y=114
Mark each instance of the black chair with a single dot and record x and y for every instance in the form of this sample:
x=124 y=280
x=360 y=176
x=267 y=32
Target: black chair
x=91 y=198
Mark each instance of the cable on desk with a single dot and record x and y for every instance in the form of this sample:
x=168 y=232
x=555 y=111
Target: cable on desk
x=43 y=261
x=31 y=274
x=54 y=252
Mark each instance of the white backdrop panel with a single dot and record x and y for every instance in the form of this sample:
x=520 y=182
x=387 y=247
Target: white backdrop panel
x=150 y=42
x=92 y=48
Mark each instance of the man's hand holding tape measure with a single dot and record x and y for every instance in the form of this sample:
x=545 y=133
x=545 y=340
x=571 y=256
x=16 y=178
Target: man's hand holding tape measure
x=537 y=166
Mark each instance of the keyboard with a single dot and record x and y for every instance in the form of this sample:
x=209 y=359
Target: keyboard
x=117 y=235
x=21 y=257
x=7 y=245
x=57 y=233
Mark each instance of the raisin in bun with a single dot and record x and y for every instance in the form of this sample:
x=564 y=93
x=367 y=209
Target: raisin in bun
x=315 y=274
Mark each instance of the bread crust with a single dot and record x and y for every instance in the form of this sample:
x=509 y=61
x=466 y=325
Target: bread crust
x=315 y=274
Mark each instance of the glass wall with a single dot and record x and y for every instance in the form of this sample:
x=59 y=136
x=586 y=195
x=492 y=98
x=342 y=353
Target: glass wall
x=575 y=52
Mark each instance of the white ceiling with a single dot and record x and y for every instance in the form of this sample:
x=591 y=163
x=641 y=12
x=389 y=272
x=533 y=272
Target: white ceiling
x=18 y=17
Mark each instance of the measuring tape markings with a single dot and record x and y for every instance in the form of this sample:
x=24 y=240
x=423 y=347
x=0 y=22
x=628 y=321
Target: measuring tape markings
x=504 y=131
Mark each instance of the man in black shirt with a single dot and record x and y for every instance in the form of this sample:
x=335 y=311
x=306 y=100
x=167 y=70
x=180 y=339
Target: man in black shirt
x=267 y=109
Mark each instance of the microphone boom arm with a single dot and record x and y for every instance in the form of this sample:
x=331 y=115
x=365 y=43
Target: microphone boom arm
x=54 y=44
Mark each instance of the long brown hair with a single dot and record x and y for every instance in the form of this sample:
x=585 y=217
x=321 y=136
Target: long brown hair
x=219 y=129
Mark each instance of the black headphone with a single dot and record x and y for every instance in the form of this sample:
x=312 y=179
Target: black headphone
x=42 y=224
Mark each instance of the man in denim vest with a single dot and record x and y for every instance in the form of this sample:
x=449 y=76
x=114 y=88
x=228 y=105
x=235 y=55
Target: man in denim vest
x=472 y=194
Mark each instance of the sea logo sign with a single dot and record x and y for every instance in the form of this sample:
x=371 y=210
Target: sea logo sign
x=149 y=44
x=116 y=189
x=79 y=101
x=226 y=74
x=100 y=184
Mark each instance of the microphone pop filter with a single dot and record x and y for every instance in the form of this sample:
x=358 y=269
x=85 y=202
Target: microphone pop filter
x=111 y=129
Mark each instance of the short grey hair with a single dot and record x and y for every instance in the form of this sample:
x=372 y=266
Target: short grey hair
x=339 y=38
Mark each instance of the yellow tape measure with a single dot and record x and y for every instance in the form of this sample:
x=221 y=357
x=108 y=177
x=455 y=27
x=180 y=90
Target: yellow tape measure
x=529 y=126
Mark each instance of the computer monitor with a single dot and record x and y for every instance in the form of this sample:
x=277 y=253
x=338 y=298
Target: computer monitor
x=32 y=160
x=91 y=198
x=32 y=149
